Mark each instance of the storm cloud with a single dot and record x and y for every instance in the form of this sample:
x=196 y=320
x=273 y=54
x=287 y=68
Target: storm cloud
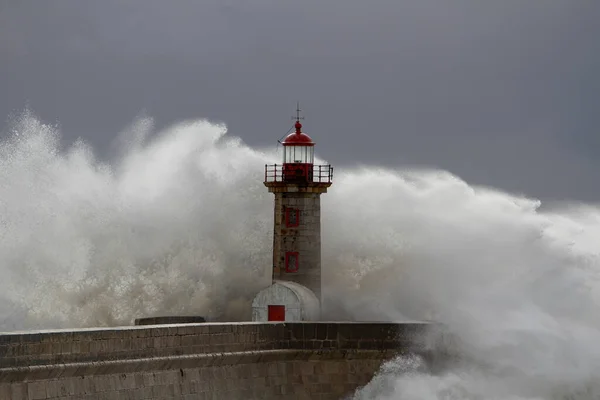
x=501 y=93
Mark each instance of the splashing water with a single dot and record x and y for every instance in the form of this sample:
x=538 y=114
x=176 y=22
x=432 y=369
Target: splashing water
x=176 y=225
x=181 y=223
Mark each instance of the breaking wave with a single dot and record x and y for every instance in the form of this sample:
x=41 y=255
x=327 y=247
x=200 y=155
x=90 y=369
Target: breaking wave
x=179 y=222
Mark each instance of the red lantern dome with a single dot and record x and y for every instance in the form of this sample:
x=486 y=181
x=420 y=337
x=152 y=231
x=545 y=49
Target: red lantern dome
x=298 y=162
x=298 y=138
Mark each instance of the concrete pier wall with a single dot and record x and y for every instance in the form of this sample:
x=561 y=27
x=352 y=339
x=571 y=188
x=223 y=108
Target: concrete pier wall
x=310 y=360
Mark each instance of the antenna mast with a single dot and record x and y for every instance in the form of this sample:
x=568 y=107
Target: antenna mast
x=297 y=118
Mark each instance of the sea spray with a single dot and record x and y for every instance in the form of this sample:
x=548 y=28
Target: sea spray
x=180 y=223
x=168 y=228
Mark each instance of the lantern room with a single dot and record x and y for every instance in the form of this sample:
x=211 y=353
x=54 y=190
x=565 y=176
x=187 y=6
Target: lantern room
x=298 y=147
x=298 y=162
x=298 y=156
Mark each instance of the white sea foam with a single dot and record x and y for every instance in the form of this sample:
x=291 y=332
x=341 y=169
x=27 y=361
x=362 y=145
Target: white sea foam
x=181 y=223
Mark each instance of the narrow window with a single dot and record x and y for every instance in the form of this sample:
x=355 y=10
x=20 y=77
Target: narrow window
x=291 y=261
x=292 y=217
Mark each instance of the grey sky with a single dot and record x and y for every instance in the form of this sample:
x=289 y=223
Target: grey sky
x=502 y=93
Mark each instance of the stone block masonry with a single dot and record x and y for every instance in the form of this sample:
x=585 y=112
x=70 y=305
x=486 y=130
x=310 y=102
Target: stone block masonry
x=303 y=360
x=304 y=239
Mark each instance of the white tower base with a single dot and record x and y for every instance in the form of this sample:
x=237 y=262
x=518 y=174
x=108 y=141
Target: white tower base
x=286 y=301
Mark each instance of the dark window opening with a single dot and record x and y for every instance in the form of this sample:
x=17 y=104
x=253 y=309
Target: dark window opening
x=291 y=261
x=292 y=217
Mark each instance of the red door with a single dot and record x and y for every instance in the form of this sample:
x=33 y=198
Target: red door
x=276 y=313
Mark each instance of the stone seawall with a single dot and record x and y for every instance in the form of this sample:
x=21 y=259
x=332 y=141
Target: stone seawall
x=303 y=360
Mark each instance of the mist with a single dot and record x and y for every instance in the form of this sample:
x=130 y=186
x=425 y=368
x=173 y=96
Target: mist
x=179 y=222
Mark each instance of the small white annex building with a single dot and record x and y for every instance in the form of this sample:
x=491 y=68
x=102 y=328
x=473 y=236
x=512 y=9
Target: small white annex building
x=286 y=301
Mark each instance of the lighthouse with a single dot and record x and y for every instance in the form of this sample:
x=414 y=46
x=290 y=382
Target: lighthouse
x=297 y=184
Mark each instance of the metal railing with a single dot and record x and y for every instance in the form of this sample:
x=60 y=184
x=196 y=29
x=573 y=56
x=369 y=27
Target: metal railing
x=293 y=173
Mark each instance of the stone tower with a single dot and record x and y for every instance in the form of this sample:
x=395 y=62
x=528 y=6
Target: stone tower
x=298 y=185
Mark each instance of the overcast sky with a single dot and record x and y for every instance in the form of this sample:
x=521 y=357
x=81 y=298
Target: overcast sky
x=502 y=93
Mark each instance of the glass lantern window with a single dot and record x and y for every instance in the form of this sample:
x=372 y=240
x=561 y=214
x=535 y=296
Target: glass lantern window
x=298 y=154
